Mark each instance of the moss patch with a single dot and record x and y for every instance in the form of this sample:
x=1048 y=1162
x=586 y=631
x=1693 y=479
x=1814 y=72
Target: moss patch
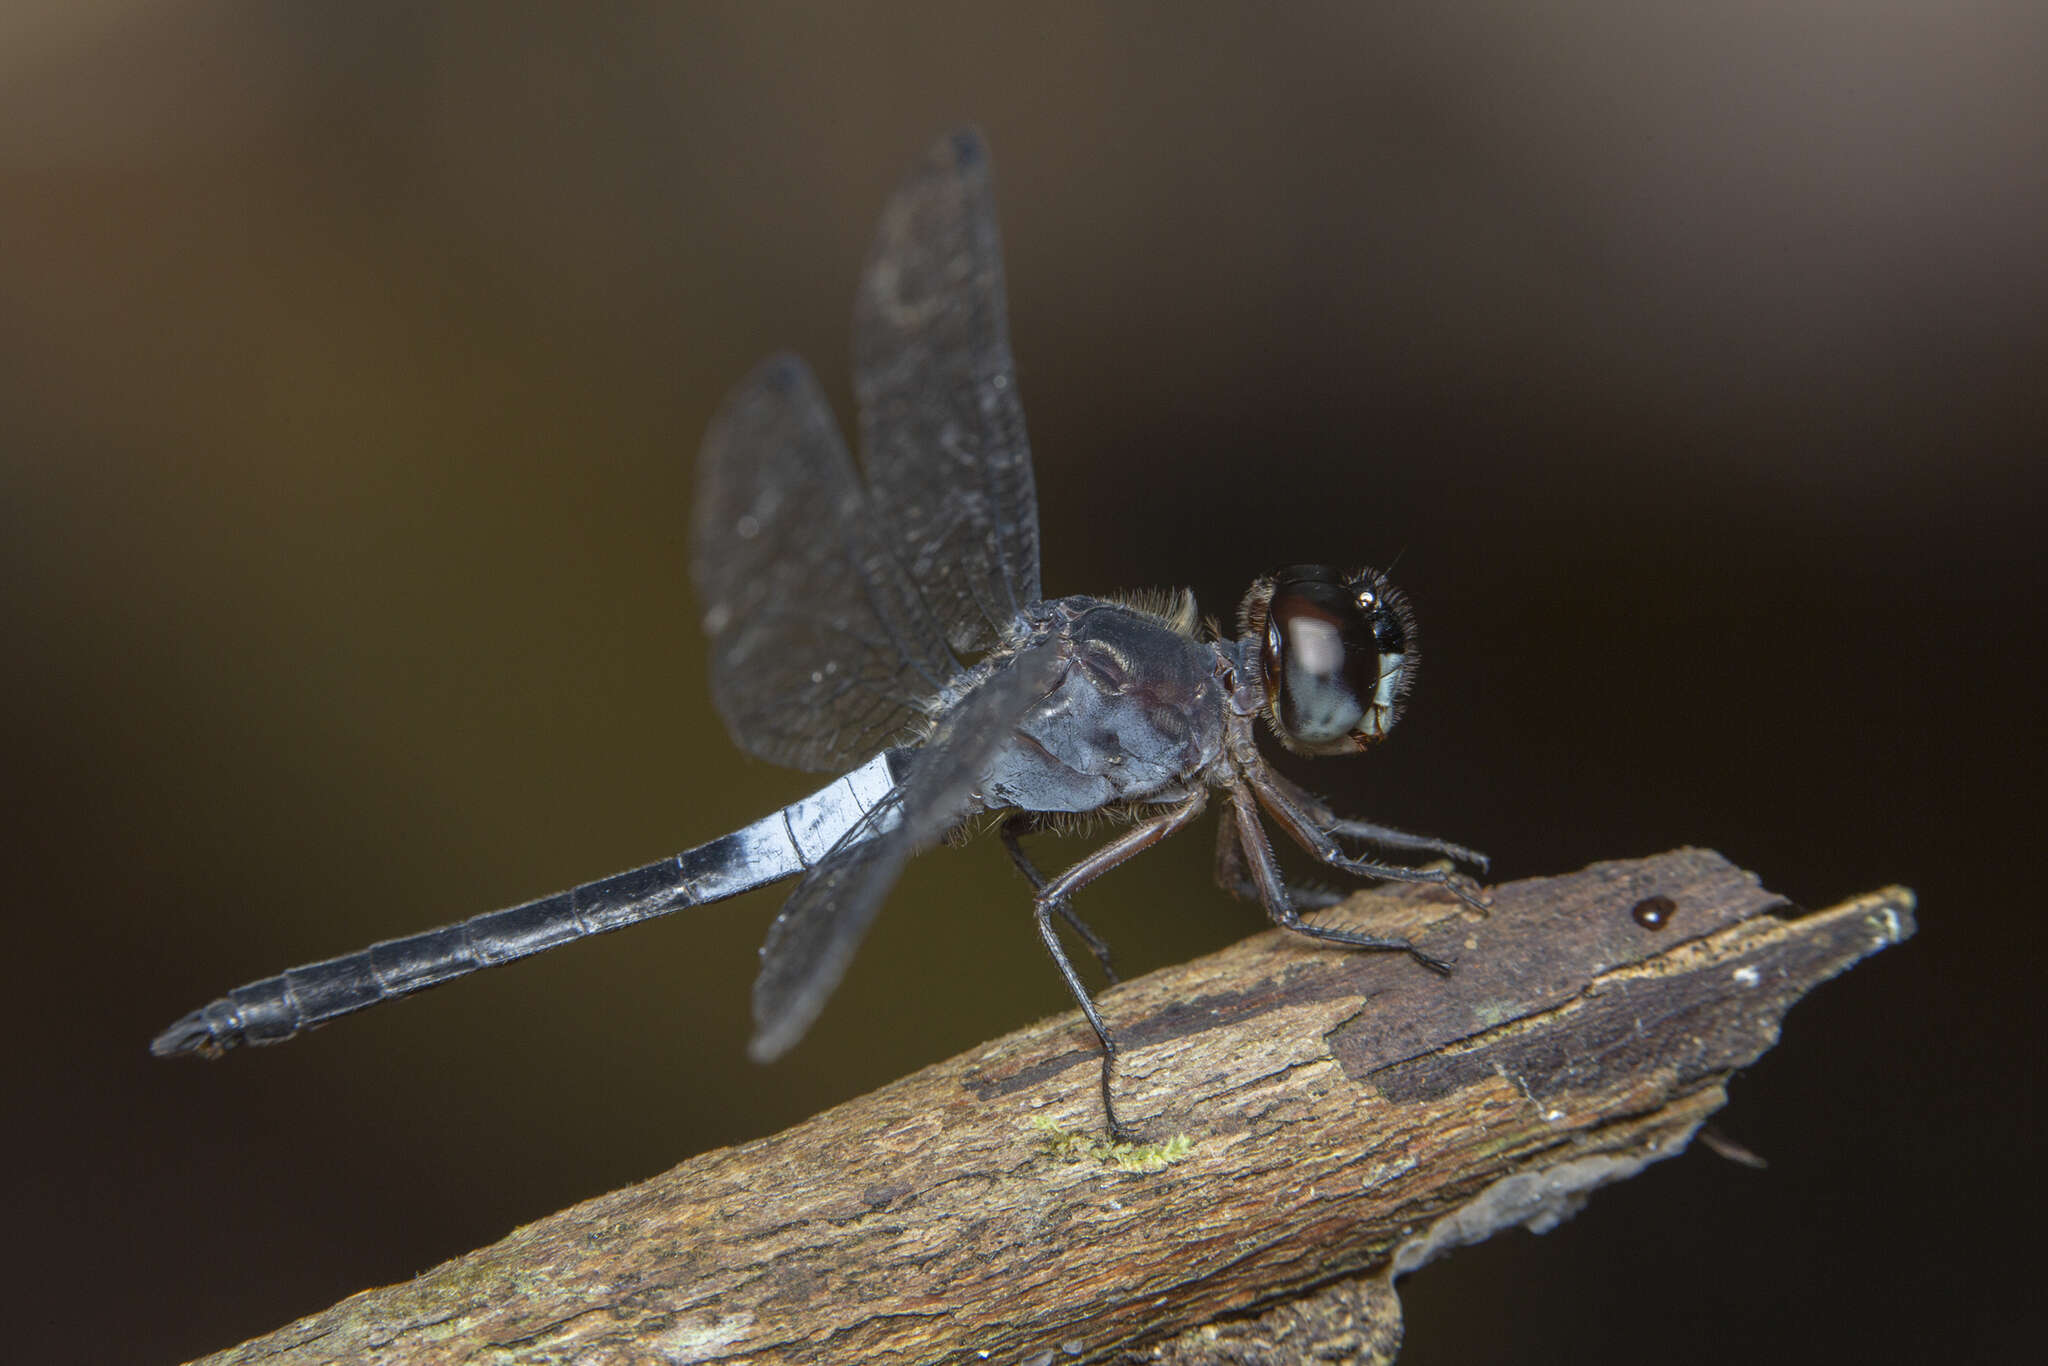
x=1078 y=1145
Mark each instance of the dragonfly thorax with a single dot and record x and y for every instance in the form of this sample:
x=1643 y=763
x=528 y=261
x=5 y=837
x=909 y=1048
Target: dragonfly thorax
x=1135 y=714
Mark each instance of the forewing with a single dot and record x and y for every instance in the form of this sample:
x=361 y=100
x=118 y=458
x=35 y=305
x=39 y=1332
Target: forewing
x=942 y=430
x=821 y=650
x=819 y=927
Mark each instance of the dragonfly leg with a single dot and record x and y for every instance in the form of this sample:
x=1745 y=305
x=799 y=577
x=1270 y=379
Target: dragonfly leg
x=1012 y=832
x=1384 y=837
x=1232 y=877
x=1258 y=853
x=1304 y=829
x=1045 y=905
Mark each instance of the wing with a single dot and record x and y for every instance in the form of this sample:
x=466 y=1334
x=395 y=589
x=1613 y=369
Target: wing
x=824 y=920
x=821 y=650
x=942 y=430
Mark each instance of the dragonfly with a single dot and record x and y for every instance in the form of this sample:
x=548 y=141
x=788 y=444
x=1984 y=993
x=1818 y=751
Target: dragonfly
x=885 y=622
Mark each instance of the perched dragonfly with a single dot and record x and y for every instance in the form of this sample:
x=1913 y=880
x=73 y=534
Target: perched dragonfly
x=890 y=619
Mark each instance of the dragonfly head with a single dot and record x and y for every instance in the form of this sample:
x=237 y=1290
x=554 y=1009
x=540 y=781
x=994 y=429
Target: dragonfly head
x=1335 y=655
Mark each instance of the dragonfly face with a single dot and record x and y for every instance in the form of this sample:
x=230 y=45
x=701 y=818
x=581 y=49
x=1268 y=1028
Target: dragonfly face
x=1336 y=656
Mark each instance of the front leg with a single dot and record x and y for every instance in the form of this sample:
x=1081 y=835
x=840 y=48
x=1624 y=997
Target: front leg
x=1308 y=833
x=1384 y=837
x=1232 y=877
x=1266 y=877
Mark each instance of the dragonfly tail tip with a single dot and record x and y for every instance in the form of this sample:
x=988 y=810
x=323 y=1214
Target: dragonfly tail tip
x=189 y=1035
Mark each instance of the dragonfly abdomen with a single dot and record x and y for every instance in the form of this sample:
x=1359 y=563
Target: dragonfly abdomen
x=773 y=848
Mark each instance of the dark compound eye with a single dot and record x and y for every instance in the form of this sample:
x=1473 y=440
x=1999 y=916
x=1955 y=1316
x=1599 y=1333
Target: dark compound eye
x=1389 y=632
x=1336 y=655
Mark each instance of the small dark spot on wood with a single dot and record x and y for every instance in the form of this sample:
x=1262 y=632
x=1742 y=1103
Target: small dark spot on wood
x=1654 y=912
x=992 y=1084
x=876 y=1197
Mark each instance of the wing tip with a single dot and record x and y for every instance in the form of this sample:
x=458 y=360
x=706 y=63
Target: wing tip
x=782 y=373
x=763 y=1048
x=776 y=1036
x=966 y=147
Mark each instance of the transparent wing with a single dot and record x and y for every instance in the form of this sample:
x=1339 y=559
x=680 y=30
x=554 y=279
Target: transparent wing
x=942 y=430
x=821 y=649
x=819 y=927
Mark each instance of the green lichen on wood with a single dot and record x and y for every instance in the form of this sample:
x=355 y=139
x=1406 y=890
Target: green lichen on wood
x=1081 y=1145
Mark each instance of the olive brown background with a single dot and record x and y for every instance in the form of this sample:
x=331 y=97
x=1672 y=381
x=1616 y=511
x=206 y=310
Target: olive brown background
x=353 y=360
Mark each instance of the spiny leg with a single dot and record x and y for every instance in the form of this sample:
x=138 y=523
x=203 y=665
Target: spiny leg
x=1384 y=837
x=1012 y=832
x=1232 y=877
x=1126 y=846
x=1312 y=837
x=1258 y=853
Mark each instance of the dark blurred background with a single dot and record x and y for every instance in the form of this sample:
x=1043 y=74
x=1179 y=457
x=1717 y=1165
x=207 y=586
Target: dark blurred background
x=352 y=364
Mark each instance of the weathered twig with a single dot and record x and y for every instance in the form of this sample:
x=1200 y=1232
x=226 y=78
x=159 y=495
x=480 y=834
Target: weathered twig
x=1346 y=1116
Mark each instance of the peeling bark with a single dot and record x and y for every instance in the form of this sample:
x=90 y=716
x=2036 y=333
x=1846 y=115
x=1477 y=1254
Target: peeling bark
x=1340 y=1118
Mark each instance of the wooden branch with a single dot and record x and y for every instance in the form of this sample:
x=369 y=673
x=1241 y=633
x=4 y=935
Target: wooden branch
x=1338 y=1118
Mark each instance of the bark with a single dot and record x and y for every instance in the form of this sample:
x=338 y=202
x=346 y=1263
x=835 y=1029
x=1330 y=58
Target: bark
x=1324 y=1121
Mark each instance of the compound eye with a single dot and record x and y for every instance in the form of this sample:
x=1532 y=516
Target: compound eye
x=1336 y=653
